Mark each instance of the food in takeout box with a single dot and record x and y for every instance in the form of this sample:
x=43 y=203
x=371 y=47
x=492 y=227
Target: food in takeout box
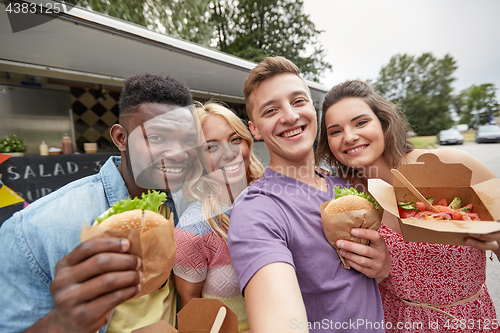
x=151 y=235
x=200 y=315
x=443 y=181
x=350 y=209
x=454 y=211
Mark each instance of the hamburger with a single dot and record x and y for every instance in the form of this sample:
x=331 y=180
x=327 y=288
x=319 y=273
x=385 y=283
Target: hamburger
x=134 y=213
x=348 y=199
x=350 y=209
x=151 y=235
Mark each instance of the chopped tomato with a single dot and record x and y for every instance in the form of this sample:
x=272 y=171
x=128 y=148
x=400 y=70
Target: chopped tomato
x=404 y=213
x=423 y=214
x=445 y=212
x=442 y=202
x=455 y=214
x=470 y=217
x=420 y=206
x=428 y=215
x=467 y=208
x=444 y=209
x=441 y=216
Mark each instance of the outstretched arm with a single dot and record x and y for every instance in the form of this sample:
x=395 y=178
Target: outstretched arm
x=273 y=300
x=89 y=283
x=372 y=260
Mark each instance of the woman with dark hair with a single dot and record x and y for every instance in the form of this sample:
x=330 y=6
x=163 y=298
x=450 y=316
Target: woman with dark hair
x=442 y=287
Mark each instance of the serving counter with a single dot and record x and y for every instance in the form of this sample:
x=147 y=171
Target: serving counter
x=34 y=176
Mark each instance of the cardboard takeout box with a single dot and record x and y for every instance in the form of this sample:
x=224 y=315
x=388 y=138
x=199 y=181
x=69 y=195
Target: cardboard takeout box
x=197 y=316
x=442 y=180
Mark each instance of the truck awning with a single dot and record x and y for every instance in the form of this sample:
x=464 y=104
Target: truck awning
x=85 y=46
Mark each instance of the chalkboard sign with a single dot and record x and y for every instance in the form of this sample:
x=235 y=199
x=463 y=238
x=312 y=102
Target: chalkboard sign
x=32 y=177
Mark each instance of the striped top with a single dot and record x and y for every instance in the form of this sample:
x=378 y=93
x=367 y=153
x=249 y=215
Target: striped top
x=202 y=255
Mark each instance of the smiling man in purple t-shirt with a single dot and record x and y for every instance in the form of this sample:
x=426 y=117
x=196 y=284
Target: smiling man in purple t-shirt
x=291 y=277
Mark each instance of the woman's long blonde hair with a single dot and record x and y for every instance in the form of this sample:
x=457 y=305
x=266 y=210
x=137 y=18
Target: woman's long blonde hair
x=206 y=190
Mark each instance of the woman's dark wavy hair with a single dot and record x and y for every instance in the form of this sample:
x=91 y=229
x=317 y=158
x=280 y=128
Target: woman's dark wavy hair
x=391 y=117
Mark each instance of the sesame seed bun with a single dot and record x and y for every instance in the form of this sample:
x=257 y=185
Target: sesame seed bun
x=348 y=203
x=134 y=219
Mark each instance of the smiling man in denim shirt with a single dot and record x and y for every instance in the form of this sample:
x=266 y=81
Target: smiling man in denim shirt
x=52 y=283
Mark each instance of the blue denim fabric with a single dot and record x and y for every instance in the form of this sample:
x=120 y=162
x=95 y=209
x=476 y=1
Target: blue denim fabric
x=33 y=240
x=170 y=203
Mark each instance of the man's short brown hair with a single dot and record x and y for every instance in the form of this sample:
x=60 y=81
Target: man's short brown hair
x=266 y=69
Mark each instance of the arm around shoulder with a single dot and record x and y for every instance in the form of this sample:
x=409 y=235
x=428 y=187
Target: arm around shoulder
x=274 y=302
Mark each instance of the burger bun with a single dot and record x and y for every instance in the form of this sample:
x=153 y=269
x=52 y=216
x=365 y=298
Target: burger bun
x=348 y=203
x=134 y=219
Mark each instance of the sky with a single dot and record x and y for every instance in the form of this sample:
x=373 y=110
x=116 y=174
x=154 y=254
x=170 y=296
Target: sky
x=361 y=36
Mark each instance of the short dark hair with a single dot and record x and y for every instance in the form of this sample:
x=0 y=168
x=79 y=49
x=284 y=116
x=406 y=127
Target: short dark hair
x=152 y=88
x=391 y=118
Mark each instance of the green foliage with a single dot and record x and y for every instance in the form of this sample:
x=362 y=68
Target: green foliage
x=476 y=103
x=422 y=86
x=151 y=201
x=189 y=20
x=134 y=11
x=11 y=144
x=342 y=192
x=250 y=29
x=223 y=17
x=278 y=28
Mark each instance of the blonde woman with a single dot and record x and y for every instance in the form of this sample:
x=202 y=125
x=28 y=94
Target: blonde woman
x=202 y=265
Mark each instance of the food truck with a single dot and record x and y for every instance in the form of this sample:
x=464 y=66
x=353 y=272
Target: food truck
x=61 y=75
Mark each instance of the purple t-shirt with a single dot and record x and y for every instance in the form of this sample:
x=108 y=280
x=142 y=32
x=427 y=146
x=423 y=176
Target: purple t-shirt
x=278 y=219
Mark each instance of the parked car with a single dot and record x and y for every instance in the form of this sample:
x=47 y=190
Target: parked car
x=488 y=133
x=450 y=137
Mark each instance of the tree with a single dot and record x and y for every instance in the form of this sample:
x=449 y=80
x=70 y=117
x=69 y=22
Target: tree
x=278 y=28
x=189 y=19
x=422 y=86
x=477 y=104
x=131 y=10
x=223 y=17
x=250 y=29
x=186 y=19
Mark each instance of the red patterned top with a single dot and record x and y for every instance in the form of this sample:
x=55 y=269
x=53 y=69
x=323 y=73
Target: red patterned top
x=436 y=274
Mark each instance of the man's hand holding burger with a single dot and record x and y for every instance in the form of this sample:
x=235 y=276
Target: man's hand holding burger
x=101 y=273
x=89 y=282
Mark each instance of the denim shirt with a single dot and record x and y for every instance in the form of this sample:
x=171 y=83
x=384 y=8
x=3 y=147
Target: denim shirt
x=33 y=241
